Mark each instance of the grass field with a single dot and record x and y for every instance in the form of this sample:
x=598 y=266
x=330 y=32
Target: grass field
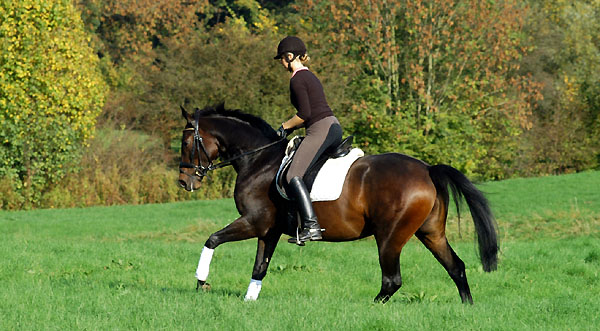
x=131 y=267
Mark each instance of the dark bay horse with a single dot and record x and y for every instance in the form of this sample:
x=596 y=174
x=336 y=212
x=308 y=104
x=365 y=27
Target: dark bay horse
x=390 y=196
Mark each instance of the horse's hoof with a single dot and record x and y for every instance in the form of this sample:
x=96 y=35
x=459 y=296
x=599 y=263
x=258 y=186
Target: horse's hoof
x=382 y=299
x=202 y=285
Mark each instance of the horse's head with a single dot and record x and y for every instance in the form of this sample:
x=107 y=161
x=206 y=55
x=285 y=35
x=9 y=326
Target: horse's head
x=238 y=137
x=198 y=149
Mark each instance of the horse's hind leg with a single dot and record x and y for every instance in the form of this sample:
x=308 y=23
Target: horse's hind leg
x=391 y=279
x=451 y=262
x=433 y=235
x=391 y=236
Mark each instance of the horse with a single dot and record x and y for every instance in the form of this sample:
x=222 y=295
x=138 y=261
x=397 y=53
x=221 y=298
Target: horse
x=389 y=196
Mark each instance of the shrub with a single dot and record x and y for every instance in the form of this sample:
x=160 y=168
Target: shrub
x=129 y=167
x=50 y=93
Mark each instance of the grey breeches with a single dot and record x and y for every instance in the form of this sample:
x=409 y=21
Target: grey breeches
x=319 y=136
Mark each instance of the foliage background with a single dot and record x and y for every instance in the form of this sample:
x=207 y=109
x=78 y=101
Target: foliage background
x=495 y=89
x=51 y=92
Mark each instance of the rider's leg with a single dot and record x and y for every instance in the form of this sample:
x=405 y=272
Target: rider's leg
x=311 y=230
x=320 y=136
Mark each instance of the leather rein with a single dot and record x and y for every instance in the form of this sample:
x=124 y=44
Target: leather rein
x=200 y=170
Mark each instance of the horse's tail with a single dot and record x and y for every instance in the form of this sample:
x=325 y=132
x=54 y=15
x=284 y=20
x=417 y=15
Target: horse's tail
x=485 y=225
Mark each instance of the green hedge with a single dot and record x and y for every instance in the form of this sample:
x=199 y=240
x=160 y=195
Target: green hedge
x=50 y=93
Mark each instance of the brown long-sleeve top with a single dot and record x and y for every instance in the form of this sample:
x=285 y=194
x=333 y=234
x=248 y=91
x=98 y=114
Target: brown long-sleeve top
x=308 y=97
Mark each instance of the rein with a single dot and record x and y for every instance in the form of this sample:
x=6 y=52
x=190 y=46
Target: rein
x=202 y=171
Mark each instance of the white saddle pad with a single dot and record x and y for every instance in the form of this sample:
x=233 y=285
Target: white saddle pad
x=330 y=179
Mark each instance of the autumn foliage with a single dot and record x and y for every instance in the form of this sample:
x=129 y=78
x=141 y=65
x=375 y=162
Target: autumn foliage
x=51 y=92
x=494 y=88
x=446 y=72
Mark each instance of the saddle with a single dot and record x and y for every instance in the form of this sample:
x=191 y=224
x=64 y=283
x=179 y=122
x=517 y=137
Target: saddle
x=332 y=152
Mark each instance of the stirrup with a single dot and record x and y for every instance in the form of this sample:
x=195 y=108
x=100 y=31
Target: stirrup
x=296 y=240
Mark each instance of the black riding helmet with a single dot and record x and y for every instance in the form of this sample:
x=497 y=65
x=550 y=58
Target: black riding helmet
x=290 y=44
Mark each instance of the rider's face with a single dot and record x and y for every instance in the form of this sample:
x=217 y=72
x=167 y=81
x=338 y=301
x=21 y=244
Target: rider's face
x=285 y=59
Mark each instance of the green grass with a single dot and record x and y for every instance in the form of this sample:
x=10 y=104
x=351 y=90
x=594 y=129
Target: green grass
x=131 y=267
x=553 y=206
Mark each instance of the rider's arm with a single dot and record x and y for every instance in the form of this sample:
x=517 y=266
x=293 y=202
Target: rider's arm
x=293 y=122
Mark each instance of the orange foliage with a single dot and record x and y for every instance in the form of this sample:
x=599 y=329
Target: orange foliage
x=131 y=28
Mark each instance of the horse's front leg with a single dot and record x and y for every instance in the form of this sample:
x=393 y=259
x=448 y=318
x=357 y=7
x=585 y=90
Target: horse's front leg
x=239 y=229
x=264 y=252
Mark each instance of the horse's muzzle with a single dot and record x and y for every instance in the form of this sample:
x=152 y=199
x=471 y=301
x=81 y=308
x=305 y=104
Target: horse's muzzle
x=188 y=182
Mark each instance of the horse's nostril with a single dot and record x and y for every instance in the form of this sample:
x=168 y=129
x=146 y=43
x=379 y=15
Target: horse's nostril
x=182 y=183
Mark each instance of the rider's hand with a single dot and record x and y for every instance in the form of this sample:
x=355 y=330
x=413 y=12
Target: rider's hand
x=281 y=132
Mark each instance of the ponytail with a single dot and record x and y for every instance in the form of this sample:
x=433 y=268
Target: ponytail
x=303 y=58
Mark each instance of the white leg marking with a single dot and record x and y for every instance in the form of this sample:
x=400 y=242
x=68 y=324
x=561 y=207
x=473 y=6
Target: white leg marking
x=253 y=290
x=204 y=263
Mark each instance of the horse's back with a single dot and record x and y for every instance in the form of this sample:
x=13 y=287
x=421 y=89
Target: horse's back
x=393 y=169
x=378 y=189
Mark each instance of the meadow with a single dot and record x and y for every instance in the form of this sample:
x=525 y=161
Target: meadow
x=132 y=267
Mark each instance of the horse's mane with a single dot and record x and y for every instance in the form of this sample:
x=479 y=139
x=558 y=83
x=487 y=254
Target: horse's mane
x=252 y=120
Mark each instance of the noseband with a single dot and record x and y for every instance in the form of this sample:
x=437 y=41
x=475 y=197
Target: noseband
x=201 y=171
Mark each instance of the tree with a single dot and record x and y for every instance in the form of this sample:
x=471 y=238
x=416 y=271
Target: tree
x=130 y=30
x=436 y=79
x=162 y=48
x=50 y=91
x=566 y=59
x=230 y=64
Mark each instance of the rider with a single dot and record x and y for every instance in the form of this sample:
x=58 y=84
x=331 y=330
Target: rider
x=323 y=129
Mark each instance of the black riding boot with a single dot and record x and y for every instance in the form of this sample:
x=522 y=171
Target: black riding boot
x=310 y=227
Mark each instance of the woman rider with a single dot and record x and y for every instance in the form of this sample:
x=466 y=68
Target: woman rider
x=323 y=130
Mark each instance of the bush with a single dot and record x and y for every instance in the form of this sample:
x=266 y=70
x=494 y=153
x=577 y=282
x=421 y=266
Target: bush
x=10 y=197
x=129 y=167
x=120 y=167
x=50 y=93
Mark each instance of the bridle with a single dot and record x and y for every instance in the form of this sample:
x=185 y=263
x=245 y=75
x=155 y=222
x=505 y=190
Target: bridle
x=201 y=171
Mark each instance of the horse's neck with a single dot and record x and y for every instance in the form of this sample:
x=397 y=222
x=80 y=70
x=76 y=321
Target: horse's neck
x=236 y=138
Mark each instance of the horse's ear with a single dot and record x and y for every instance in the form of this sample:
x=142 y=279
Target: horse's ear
x=185 y=114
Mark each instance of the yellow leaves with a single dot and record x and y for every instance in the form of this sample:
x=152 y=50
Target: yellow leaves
x=571 y=89
x=265 y=23
x=48 y=73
